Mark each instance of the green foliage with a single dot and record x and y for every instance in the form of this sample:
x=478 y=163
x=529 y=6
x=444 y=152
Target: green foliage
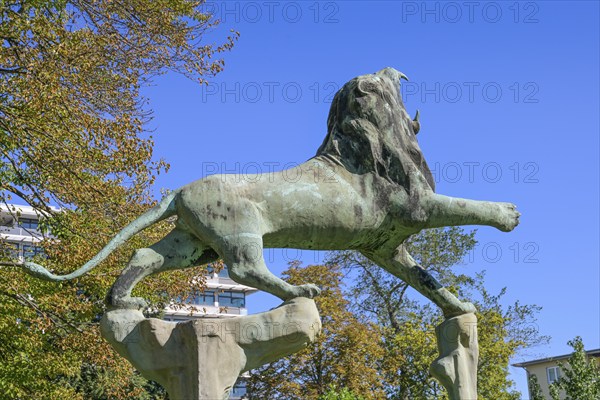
x=345 y=354
x=401 y=329
x=339 y=394
x=93 y=383
x=502 y=332
x=71 y=114
x=403 y=345
x=73 y=135
x=555 y=392
x=535 y=390
x=580 y=377
x=407 y=324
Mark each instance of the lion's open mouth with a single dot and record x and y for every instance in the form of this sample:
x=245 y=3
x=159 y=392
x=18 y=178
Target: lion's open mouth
x=395 y=78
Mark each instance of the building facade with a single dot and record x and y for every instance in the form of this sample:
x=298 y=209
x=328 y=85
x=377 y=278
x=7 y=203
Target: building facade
x=19 y=226
x=547 y=370
x=222 y=298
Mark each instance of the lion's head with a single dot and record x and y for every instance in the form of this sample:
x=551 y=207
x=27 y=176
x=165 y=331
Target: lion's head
x=369 y=130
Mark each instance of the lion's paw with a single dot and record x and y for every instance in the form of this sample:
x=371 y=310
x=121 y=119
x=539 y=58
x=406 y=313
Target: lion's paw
x=459 y=308
x=129 y=303
x=309 y=290
x=509 y=217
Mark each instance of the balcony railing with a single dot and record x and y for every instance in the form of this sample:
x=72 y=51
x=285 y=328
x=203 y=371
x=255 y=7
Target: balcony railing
x=205 y=311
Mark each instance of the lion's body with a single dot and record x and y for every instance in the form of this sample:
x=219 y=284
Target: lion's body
x=367 y=189
x=316 y=205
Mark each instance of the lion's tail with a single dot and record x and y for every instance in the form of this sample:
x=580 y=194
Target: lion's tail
x=162 y=210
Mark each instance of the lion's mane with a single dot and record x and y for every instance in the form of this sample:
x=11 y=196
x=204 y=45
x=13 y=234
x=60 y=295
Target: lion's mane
x=369 y=130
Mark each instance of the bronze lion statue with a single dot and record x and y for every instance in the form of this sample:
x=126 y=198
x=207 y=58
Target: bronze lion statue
x=368 y=188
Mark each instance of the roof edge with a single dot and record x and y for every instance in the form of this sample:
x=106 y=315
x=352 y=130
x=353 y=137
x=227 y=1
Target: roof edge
x=592 y=353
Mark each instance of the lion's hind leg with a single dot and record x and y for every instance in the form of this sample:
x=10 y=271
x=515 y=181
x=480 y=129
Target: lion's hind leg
x=243 y=254
x=178 y=250
x=402 y=265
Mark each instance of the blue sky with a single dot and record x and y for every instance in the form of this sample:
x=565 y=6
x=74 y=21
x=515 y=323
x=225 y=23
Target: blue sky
x=509 y=101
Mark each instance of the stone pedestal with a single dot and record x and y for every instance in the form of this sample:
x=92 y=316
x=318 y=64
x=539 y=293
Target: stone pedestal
x=456 y=367
x=201 y=359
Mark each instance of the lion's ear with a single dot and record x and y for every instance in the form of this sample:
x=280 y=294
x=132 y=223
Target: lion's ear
x=416 y=125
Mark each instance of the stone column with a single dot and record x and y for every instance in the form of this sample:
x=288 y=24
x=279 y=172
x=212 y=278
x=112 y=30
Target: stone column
x=456 y=367
x=201 y=359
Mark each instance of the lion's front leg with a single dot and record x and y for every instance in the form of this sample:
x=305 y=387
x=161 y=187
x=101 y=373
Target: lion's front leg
x=450 y=211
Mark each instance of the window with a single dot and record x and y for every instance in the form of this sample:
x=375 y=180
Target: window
x=30 y=251
x=28 y=223
x=553 y=374
x=222 y=274
x=206 y=298
x=232 y=299
x=239 y=389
